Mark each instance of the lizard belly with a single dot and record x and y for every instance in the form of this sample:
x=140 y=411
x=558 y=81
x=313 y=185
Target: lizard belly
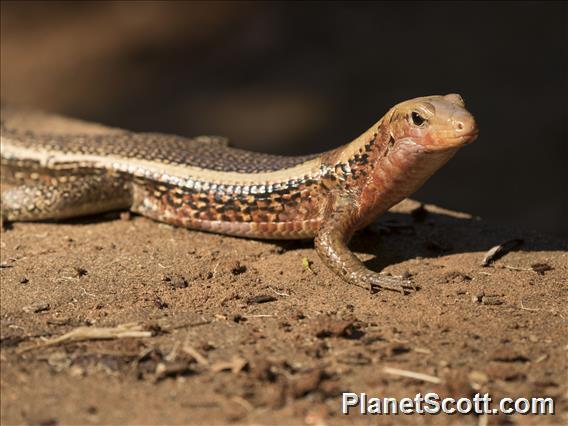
x=292 y=214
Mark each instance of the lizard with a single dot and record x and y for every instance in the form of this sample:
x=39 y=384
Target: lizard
x=204 y=184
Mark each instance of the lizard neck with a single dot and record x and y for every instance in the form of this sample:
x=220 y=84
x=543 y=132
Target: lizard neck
x=376 y=171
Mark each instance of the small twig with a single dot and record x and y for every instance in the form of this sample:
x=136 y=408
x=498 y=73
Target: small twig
x=528 y=309
x=204 y=404
x=243 y=403
x=259 y=316
x=94 y=333
x=235 y=365
x=87 y=294
x=187 y=325
x=171 y=357
x=412 y=375
x=500 y=250
x=65 y=278
x=515 y=268
x=215 y=268
x=195 y=355
x=279 y=293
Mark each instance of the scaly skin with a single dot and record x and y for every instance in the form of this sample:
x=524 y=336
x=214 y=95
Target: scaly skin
x=204 y=184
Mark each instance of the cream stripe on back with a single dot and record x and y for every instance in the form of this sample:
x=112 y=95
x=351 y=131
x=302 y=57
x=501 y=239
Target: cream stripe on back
x=147 y=168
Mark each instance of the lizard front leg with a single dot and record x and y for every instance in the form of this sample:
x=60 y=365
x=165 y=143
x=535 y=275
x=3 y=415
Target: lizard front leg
x=331 y=244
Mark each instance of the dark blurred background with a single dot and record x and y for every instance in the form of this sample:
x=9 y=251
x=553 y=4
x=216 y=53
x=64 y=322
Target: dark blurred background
x=295 y=78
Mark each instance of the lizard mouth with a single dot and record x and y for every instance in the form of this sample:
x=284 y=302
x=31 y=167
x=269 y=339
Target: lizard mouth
x=461 y=139
x=467 y=138
x=442 y=142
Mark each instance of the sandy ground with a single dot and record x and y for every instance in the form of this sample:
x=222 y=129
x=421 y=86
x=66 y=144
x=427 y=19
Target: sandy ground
x=242 y=331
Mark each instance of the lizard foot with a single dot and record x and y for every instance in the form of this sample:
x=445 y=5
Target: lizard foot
x=376 y=282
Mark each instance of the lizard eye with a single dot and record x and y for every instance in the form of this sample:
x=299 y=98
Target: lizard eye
x=417 y=119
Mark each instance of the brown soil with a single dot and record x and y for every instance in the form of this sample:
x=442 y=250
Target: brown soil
x=262 y=332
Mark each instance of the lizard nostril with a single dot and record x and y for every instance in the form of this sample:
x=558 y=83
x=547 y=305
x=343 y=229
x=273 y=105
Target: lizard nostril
x=459 y=125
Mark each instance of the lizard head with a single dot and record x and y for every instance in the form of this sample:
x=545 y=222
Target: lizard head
x=413 y=140
x=433 y=122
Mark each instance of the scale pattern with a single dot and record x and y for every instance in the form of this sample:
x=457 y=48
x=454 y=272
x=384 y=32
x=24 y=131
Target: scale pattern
x=160 y=148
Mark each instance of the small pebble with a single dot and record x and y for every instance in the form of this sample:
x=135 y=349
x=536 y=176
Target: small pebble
x=159 y=303
x=492 y=300
x=81 y=272
x=238 y=318
x=541 y=268
x=278 y=250
x=476 y=298
x=175 y=280
x=237 y=268
x=262 y=298
x=37 y=307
